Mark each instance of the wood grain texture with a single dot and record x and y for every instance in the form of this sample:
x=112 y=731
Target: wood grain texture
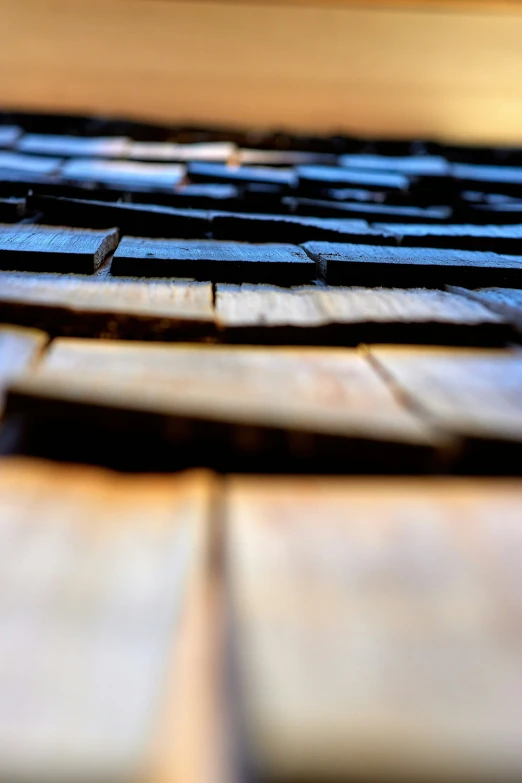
x=374 y=627
x=430 y=69
x=75 y=306
x=127 y=556
x=284 y=405
x=217 y=172
x=412 y=165
x=349 y=316
x=214 y=260
x=48 y=249
x=351 y=264
x=475 y=394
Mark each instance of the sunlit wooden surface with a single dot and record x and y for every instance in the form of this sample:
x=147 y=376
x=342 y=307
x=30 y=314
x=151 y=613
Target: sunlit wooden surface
x=369 y=68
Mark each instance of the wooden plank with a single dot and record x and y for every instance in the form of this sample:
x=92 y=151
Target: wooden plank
x=74 y=306
x=349 y=316
x=472 y=394
x=226 y=406
x=217 y=172
x=294 y=229
x=48 y=249
x=507 y=302
x=74 y=146
x=494 y=239
x=271 y=315
x=216 y=151
x=127 y=558
x=495 y=179
x=412 y=165
x=29 y=164
x=375 y=626
x=370 y=265
x=124 y=173
x=137 y=219
x=317 y=177
x=212 y=260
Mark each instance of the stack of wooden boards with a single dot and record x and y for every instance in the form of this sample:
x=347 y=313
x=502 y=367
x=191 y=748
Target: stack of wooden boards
x=210 y=304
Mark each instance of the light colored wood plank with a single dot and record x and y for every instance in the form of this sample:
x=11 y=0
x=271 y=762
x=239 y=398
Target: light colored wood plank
x=83 y=307
x=349 y=316
x=106 y=576
x=274 y=402
x=379 y=70
x=376 y=627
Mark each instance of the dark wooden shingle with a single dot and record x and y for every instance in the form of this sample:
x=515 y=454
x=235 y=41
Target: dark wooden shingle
x=53 y=249
x=212 y=260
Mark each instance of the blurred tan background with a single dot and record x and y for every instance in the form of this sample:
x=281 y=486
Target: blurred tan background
x=443 y=69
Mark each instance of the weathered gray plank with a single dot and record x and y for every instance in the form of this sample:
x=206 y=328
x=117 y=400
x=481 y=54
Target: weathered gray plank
x=52 y=249
x=213 y=260
x=104 y=576
x=295 y=229
x=349 y=316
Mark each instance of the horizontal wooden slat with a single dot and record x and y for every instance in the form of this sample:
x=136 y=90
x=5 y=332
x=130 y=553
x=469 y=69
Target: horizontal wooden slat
x=71 y=305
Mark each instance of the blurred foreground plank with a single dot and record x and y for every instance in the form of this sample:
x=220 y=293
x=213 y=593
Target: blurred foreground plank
x=105 y=632
x=376 y=627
